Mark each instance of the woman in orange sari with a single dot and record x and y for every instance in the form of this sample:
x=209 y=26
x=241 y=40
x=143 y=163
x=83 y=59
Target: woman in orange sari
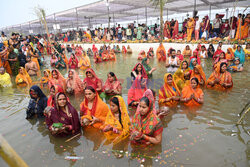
x=146 y=126
x=190 y=28
x=161 y=53
x=169 y=94
x=23 y=79
x=4 y=59
x=230 y=54
x=182 y=75
x=65 y=59
x=198 y=73
x=192 y=95
x=45 y=79
x=93 y=109
x=117 y=122
x=74 y=83
x=57 y=79
x=220 y=79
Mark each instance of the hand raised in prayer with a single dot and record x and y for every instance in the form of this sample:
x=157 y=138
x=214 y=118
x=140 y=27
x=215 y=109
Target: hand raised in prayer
x=192 y=96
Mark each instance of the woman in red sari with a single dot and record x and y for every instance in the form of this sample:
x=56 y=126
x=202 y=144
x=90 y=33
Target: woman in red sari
x=54 y=89
x=94 y=49
x=217 y=53
x=63 y=120
x=93 y=109
x=92 y=80
x=57 y=79
x=169 y=94
x=161 y=53
x=219 y=60
x=195 y=55
x=175 y=30
x=138 y=71
x=220 y=79
x=146 y=125
x=166 y=30
x=192 y=95
x=73 y=62
x=74 y=83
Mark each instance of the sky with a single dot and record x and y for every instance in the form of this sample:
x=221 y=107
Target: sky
x=20 y=11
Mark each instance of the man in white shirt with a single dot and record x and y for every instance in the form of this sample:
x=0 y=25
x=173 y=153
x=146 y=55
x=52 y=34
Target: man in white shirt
x=217 y=24
x=197 y=27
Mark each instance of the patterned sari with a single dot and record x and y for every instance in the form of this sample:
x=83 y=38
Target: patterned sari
x=123 y=127
x=178 y=76
x=95 y=82
x=60 y=80
x=45 y=80
x=200 y=76
x=23 y=80
x=168 y=91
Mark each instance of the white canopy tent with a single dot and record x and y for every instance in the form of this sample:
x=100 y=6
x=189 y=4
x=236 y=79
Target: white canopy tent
x=110 y=12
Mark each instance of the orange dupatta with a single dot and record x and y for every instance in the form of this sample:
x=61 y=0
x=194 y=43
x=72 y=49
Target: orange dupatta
x=199 y=76
x=24 y=79
x=167 y=91
x=158 y=54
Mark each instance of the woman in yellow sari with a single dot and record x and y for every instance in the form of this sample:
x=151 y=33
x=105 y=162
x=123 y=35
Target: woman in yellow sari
x=220 y=79
x=93 y=109
x=190 y=28
x=45 y=79
x=5 y=80
x=181 y=76
x=116 y=126
x=84 y=62
x=23 y=79
x=169 y=94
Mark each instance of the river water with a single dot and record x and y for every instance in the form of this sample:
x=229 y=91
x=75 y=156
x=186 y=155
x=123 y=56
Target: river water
x=206 y=136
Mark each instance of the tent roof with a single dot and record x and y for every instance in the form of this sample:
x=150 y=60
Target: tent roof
x=123 y=10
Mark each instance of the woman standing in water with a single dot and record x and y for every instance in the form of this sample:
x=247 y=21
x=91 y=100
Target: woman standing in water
x=192 y=95
x=92 y=80
x=146 y=125
x=63 y=119
x=57 y=79
x=93 y=109
x=23 y=79
x=74 y=84
x=37 y=103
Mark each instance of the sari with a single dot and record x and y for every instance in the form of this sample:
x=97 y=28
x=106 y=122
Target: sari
x=51 y=99
x=190 y=28
x=53 y=62
x=187 y=52
x=178 y=77
x=94 y=82
x=200 y=76
x=3 y=60
x=65 y=59
x=149 y=125
x=70 y=117
x=191 y=66
x=5 y=80
x=122 y=126
x=124 y=50
x=230 y=55
x=61 y=61
x=239 y=26
x=233 y=67
x=115 y=85
x=134 y=72
x=45 y=80
x=149 y=94
x=84 y=62
x=23 y=80
x=141 y=55
x=175 y=30
x=60 y=81
x=223 y=78
x=161 y=50
x=99 y=110
x=73 y=64
x=217 y=54
x=197 y=57
x=150 y=52
x=188 y=91
x=77 y=84
x=166 y=30
x=136 y=91
x=36 y=106
x=167 y=91
x=240 y=55
x=147 y=67
x=94 y=49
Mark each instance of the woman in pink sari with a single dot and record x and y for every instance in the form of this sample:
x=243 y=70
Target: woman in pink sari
x=217 y=53
x=57 y=79
x=74 y=83
x=53 y=60
x=92 y=80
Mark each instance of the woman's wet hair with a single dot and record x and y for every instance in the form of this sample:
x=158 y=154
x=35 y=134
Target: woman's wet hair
x=90 y=88
x=146 y=100
x=112 y=74
x=116 y=102
x=195 y=79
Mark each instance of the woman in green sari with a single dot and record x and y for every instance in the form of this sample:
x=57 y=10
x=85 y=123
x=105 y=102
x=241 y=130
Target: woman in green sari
x=60 y=63
x=149 y=70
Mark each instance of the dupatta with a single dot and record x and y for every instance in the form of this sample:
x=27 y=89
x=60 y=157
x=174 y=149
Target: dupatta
x=93 y=82
x=199 y=76
x=25 y=77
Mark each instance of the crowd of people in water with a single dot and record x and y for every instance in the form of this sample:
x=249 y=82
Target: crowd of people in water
x=191 y=29
x=184 y=82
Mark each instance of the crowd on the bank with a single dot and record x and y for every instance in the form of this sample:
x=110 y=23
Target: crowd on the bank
x=23 y=57
x=191 y=29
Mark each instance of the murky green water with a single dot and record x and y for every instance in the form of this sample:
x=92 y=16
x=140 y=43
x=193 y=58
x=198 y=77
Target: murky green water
x=203 y=137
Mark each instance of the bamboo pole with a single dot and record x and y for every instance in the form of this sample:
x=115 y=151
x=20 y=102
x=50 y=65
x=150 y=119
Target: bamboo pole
x=9 y=155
